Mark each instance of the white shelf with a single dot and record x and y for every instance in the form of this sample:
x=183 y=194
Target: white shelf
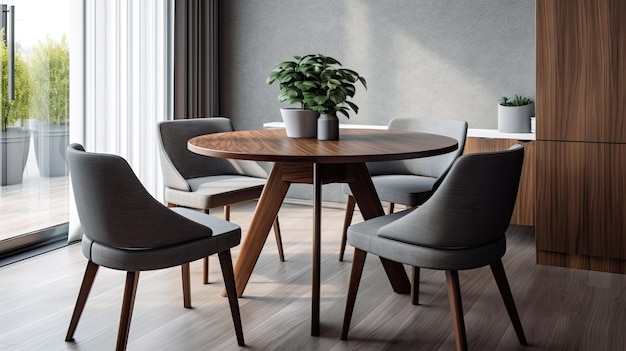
x=471 y=132
x=495 y=134
x=269 y=125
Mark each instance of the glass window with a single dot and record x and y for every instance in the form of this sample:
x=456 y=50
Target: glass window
x=35 y=120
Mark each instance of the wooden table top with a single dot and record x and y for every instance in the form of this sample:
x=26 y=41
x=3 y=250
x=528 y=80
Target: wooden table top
x=353 y=146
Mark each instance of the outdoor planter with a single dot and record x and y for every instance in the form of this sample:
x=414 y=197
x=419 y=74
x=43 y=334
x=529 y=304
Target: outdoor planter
x=14 y=147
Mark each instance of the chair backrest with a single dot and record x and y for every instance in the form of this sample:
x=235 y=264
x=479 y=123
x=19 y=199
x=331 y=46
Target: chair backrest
x=179 y=164
x=434 y=166
x=116 y=210
x=472 y=206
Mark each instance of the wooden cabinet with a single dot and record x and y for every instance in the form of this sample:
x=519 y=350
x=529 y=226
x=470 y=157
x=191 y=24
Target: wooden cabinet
x=524 y=211
x=581 y=134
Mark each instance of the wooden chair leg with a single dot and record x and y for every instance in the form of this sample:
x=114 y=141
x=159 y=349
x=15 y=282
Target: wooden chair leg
x=205 y=270
x=505 y=291
x=456 y=308
x=390 y=208
x=415 y=285
x=355 y=278
x=130 y=290
x=227 y=212
x=186 y=277
x=279 y=240
x=83 y=294
x=205 y=261
x=350 y=204
x=231 y=292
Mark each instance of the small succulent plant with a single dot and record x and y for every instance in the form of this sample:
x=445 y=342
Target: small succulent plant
x=517 y=100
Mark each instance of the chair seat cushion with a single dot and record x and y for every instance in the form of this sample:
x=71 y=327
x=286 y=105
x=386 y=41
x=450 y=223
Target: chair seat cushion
x=410 y=190
x=364 y=236
x=216 y=191
x=220 y=236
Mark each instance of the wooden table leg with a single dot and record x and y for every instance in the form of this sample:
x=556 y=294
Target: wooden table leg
x=317 y=233
x=367 y=199
x=266 y=210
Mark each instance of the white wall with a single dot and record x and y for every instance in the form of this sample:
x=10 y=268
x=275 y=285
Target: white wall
x=421 y=58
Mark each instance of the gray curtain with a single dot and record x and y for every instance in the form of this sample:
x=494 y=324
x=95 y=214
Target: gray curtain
x=196 y=79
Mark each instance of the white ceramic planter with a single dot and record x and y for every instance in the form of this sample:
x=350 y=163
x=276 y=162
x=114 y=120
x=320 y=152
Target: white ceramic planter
x=51 y=141
x=14 y=146
x=300 y=123
x=514 y=119
x=328 y=127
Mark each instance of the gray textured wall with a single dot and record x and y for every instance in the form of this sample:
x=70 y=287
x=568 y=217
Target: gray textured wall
x=421 y=58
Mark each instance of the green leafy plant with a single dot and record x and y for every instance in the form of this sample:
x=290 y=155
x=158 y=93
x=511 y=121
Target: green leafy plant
x=50 y=80
x=318 y=83
x=517 y=100
x=12 y=111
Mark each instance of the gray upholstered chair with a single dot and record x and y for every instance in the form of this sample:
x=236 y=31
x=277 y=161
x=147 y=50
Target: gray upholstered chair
x=462 y=226
x=203 y=182
x=127 y=229
x=409 y=182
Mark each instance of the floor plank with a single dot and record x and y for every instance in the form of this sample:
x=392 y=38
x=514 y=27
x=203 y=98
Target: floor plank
x=560 y=309
x=35 y=204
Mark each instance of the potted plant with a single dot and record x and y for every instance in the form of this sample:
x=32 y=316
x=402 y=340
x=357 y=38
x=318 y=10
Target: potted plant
x=14 y=137
x=320 y=84
x=295 y=77
x=50 y=81
x=514 y=114
x=336 y=87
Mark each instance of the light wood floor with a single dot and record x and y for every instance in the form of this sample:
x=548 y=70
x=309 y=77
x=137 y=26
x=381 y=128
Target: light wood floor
x=561 y=309
x=35 y=204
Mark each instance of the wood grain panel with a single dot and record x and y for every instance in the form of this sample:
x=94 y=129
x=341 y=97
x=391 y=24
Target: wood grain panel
x=551 y=99
x=618 y=60
x=524 y=211
x=591 y=263
x=604 y=202
x=580 y=70
x=559 y=195
x=580 y=199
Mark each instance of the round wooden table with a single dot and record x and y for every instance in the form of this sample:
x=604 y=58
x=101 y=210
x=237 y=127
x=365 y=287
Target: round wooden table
x=316 y=162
